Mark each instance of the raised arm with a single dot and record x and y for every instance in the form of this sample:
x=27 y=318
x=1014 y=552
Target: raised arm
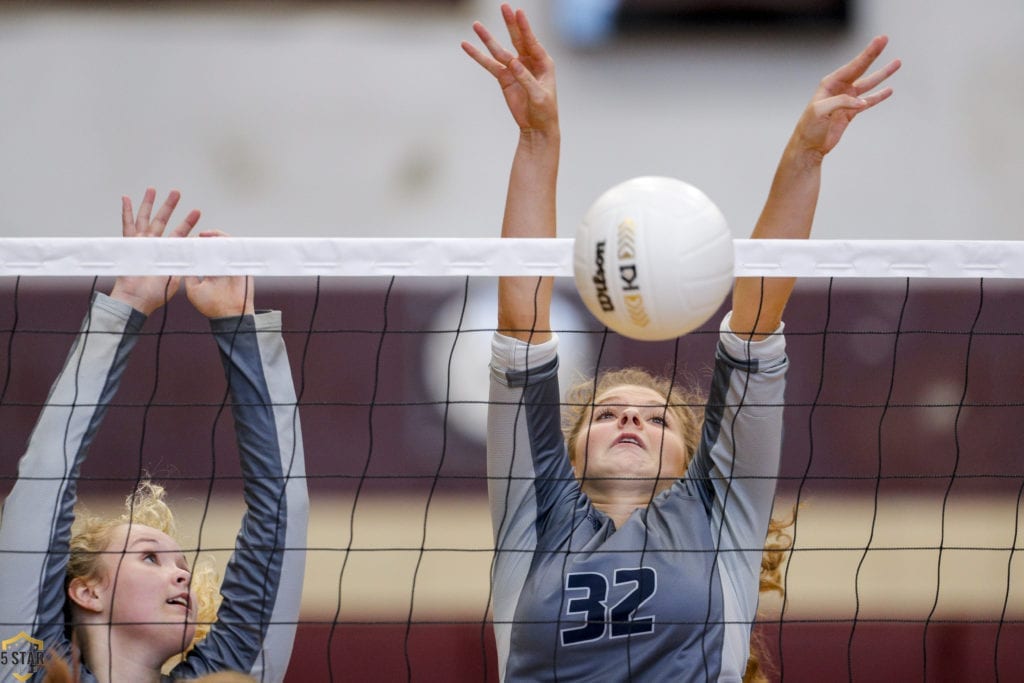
x=35 y=530
x=262 y=587
x=788 y=212
x=527 y=80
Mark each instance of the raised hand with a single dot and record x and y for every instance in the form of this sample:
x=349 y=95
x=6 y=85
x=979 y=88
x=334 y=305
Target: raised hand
x=526 y=77
x=148 y=293
x=841 y=96
x=220 y=296
x=527 y=80
x=788 y=212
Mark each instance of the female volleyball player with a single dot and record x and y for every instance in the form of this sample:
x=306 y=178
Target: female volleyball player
x=632 y=548
x=117 y=598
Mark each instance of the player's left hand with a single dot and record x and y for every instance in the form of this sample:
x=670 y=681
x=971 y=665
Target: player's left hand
x=220 y=296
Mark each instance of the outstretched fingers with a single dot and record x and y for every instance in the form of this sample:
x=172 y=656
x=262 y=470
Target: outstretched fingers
x=851 y=96
x=186 y=225
x=127 y=217
x=131 y=225
x=876 y=97
x=848 y=91
x=501 y=56
x=163 y=214
x=875 y=79
x=528 y=43
x=143 y=225
x=856 y=67
x=145 y=208
x=513 y=20
x=525 y=45
x=526 y=74
x=148 y=293
x=824 y=108
x=486 y=61
x=850 y=78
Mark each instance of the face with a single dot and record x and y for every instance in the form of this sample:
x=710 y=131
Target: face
x=145 y=579
x=630 y=435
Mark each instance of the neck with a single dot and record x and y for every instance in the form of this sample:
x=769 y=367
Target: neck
x=618 y=512
x=111 y=660
x=619 y=503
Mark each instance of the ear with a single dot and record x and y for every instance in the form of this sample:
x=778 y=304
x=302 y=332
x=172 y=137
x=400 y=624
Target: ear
x=85 y=594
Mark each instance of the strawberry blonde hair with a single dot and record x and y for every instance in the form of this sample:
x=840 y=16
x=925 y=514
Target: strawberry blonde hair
x=91 y=536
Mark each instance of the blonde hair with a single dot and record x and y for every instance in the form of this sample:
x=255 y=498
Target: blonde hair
x=91 y=536
x=777 y=545
x=681 y=403
x=687 y=406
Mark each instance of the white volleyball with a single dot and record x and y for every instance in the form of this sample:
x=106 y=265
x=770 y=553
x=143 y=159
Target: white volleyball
x=653 y=258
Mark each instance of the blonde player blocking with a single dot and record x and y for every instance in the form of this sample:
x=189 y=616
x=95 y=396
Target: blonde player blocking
x=116 y=599
x=629 y=530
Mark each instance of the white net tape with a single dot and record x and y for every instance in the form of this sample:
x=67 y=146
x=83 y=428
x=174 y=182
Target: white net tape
x=484 y=257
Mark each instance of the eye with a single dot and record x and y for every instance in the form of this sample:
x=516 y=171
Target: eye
x=658 y=420
x=151 y=557
x=604 y=414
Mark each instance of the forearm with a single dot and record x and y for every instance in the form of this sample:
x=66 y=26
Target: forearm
x=524 y=303
x=263 y=582
x=789 y=210
x=738 y=459
x=758 y=303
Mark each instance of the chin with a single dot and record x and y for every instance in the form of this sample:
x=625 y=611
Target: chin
x=177 y=640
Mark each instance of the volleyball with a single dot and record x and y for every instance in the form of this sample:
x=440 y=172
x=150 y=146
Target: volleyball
x=653 y=258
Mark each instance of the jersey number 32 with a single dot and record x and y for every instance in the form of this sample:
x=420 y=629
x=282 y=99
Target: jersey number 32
x=620 y=619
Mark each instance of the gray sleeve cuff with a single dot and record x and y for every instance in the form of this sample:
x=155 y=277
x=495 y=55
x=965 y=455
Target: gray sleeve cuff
x=118 y=309
x=510 y=354
x=771 y=347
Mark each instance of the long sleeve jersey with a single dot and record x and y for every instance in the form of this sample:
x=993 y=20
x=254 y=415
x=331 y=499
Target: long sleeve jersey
x=672 y=594
x=257 y=620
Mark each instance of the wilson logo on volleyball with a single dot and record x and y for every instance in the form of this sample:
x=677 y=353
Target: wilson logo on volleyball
x=600 y=283
x=631 y=294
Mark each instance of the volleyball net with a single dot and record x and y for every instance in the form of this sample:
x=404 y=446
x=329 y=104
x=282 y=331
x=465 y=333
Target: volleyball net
x=904 y=418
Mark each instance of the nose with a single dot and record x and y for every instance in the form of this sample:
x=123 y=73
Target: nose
x=182 y=576
x=630 y=415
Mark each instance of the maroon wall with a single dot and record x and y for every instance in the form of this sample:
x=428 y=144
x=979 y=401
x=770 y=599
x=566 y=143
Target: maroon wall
x=814 y=653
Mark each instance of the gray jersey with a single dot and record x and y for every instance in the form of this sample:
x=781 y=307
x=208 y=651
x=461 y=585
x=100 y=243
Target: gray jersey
x=672 y=594
x=263 y=581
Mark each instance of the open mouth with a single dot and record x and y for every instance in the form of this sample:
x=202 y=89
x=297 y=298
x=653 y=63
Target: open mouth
x=179 y=600
x=629 y=439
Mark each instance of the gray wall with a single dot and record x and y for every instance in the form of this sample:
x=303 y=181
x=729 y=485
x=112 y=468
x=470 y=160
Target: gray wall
x=369 y=120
